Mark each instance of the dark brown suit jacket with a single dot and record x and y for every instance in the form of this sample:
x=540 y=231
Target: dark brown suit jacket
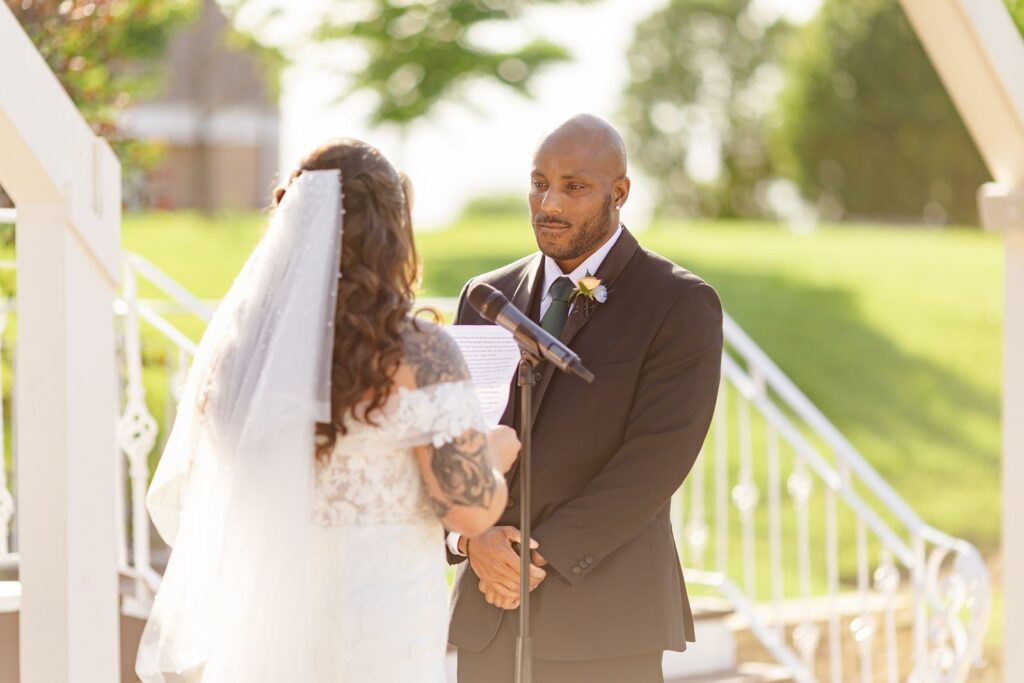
x=606 y=460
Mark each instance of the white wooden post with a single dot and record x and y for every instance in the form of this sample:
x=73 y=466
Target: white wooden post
x=979 y=55
x=1013 y=462
x=1004 y=210
x=65 y=183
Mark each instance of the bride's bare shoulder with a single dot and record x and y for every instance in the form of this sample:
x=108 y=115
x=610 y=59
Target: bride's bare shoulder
x=430 y=355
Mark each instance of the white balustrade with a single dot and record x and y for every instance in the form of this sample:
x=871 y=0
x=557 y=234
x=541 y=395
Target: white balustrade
x=830 y=488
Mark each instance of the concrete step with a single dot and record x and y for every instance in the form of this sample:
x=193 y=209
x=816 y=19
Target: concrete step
x=816 y=611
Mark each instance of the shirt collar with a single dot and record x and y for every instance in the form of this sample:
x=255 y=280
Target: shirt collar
x=552 y=272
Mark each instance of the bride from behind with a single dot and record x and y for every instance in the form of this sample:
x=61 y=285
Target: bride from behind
x=324 y=437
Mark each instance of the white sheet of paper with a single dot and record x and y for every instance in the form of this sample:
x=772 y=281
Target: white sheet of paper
x=492 y=356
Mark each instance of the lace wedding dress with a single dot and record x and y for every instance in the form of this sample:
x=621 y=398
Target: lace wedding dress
x=285 y=569
x=380 y=592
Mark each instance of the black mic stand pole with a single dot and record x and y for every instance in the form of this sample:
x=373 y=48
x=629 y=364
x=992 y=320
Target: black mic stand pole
x=527 y=380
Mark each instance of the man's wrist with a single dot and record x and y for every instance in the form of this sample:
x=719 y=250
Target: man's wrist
x=463 y=545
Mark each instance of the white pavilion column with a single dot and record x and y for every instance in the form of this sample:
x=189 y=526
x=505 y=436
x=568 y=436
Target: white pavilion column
x=66 y=418
x=65 y=183
x=979 y=55
x=1013 y=456
x=1002 y=210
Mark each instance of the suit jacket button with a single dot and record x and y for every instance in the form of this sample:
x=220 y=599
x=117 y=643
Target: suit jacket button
x=577 y=570
x=588 y=559
x=537 y=376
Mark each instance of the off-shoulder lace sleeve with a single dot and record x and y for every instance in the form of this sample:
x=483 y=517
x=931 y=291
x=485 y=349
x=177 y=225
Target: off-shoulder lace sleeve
x=442 y=412
x=371 y=476
x=436 y=414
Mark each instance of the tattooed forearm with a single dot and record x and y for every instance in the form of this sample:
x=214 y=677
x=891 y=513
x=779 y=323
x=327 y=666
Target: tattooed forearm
x=433 y=355
x=463 y=472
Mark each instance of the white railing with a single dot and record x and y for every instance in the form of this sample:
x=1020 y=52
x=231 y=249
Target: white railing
x=824 y=505
x=765 y=427
x=137 y=428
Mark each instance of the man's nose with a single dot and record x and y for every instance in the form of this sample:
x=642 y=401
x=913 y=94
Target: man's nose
x=550 y=203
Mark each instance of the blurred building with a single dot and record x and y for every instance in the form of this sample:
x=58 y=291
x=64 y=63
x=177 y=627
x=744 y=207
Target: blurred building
x=216 y=121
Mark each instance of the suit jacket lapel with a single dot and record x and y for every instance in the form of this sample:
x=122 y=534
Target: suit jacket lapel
x=613 y=265
x=524 y=297
x=529 y=285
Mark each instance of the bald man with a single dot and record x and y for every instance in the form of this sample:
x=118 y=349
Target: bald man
x=608 y=593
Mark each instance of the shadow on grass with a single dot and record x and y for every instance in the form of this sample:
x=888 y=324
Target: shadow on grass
x=822 y=341
x=930 y=432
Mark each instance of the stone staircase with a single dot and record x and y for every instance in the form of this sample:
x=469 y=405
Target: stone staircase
x=816 y=612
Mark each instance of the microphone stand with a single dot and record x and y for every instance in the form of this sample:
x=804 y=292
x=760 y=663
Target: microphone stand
x=528 y=367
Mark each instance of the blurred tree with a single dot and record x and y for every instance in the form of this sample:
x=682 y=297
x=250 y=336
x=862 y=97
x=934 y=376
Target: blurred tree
x=106 y=55
x=866 y=128
x=702 y=81
x=420 y=52
x=1017 y=10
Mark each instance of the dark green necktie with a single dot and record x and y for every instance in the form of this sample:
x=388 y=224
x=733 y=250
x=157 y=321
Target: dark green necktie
x=554 y=319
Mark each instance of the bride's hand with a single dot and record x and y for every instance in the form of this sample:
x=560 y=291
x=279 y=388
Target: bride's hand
x=504 y=444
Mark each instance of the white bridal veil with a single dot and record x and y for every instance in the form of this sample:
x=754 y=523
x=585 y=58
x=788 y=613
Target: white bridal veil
x=233 y=491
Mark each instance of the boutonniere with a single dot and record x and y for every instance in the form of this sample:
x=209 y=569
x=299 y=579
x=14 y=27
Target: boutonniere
x=590 y=292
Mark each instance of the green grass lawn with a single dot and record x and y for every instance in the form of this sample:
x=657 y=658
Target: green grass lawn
x=893 y=332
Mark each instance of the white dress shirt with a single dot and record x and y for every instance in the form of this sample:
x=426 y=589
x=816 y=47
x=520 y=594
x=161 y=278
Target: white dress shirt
x=552 y=272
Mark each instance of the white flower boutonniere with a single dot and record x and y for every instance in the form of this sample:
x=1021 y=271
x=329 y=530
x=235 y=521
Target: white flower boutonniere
x=591 y=292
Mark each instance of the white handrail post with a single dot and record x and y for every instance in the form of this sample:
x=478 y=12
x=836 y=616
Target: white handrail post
x=979 y=55
x=1002 y=209
x=1013 y=460
x=66 y=185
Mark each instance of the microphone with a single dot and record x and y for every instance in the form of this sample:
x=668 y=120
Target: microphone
x=495 y=307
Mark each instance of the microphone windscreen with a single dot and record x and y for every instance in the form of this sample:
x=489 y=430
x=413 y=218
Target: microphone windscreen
x=486 y=300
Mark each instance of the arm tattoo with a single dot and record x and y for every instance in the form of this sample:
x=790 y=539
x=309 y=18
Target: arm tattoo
x=433 y=355
x=462 y=468
x=440 y=507
x=463 y=473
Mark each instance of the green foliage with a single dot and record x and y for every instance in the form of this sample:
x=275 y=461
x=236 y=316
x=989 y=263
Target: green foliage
x=1017 y=11
x=701 y=74
x=420 y=52
x=866 y=127
x=105 y=53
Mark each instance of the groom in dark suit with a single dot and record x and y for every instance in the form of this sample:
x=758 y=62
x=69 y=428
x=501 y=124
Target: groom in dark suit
x=609 y=594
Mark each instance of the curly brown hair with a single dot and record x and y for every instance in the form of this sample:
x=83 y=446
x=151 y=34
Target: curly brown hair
x=379 y=272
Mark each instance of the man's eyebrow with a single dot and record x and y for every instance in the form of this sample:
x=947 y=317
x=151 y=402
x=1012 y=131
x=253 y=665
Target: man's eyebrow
x=575 y=176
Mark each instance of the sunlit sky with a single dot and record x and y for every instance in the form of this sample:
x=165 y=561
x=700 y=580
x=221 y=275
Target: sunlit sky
x=459 y=153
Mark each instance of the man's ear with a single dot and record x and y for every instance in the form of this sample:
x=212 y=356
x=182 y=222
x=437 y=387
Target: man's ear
x=620 y=191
